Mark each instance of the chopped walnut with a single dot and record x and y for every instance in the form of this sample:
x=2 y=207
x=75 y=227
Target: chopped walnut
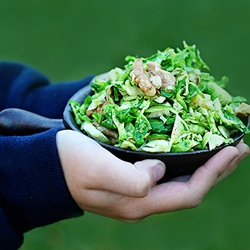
x=167 y=79
x=153 y=79
x=138 y=75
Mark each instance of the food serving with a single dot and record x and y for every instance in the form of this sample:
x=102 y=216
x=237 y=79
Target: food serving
x=168 y=102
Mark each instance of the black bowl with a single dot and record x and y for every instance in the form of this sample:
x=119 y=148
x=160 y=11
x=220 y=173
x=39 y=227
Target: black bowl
x=177 y=164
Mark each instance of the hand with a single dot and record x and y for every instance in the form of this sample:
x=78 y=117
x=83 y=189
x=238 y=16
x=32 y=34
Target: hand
x=103 y=184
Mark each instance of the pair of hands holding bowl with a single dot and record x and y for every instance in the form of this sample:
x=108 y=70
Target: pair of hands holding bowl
x=103 y=184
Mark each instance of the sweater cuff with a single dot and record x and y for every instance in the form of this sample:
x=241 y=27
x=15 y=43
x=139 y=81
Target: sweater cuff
x=33 y=189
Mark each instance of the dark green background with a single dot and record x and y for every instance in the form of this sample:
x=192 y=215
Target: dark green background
x=68 y=40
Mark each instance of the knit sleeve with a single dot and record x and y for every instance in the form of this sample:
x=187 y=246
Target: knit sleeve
x=26 y=88
x=33 y=191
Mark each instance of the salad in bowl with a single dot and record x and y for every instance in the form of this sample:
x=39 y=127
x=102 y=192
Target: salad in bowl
x=166 y=103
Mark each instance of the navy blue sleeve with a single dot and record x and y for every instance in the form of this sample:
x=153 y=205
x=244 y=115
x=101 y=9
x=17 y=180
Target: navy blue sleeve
x=33 y=191
x=24 y=87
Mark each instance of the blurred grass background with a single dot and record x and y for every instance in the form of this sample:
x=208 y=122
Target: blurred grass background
x=68 y=40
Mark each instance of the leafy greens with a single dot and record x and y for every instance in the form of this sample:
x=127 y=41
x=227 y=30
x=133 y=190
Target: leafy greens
x=168 y=102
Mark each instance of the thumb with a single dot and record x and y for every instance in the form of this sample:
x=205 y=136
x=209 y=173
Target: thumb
x=134 y=180
x=105 y=172
x=145 y=174
x=154 y=168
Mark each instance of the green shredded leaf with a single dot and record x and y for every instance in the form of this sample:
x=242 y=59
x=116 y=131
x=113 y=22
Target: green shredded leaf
x=190 y=110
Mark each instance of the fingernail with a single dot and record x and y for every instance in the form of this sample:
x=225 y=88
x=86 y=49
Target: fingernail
x=159 y=171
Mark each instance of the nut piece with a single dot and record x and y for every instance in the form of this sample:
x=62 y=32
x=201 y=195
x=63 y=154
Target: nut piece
x=138 y=75
x=167 y=79
x=153 y=79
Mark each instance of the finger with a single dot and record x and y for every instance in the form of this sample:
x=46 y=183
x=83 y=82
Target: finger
x=207 y=175
x=243 y=152
x=244 y=149
x=214 y=170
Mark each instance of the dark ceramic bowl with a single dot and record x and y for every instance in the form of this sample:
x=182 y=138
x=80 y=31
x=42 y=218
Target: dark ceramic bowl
x=177 y=164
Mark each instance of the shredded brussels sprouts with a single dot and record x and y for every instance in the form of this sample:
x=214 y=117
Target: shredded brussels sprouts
x=168 y=102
